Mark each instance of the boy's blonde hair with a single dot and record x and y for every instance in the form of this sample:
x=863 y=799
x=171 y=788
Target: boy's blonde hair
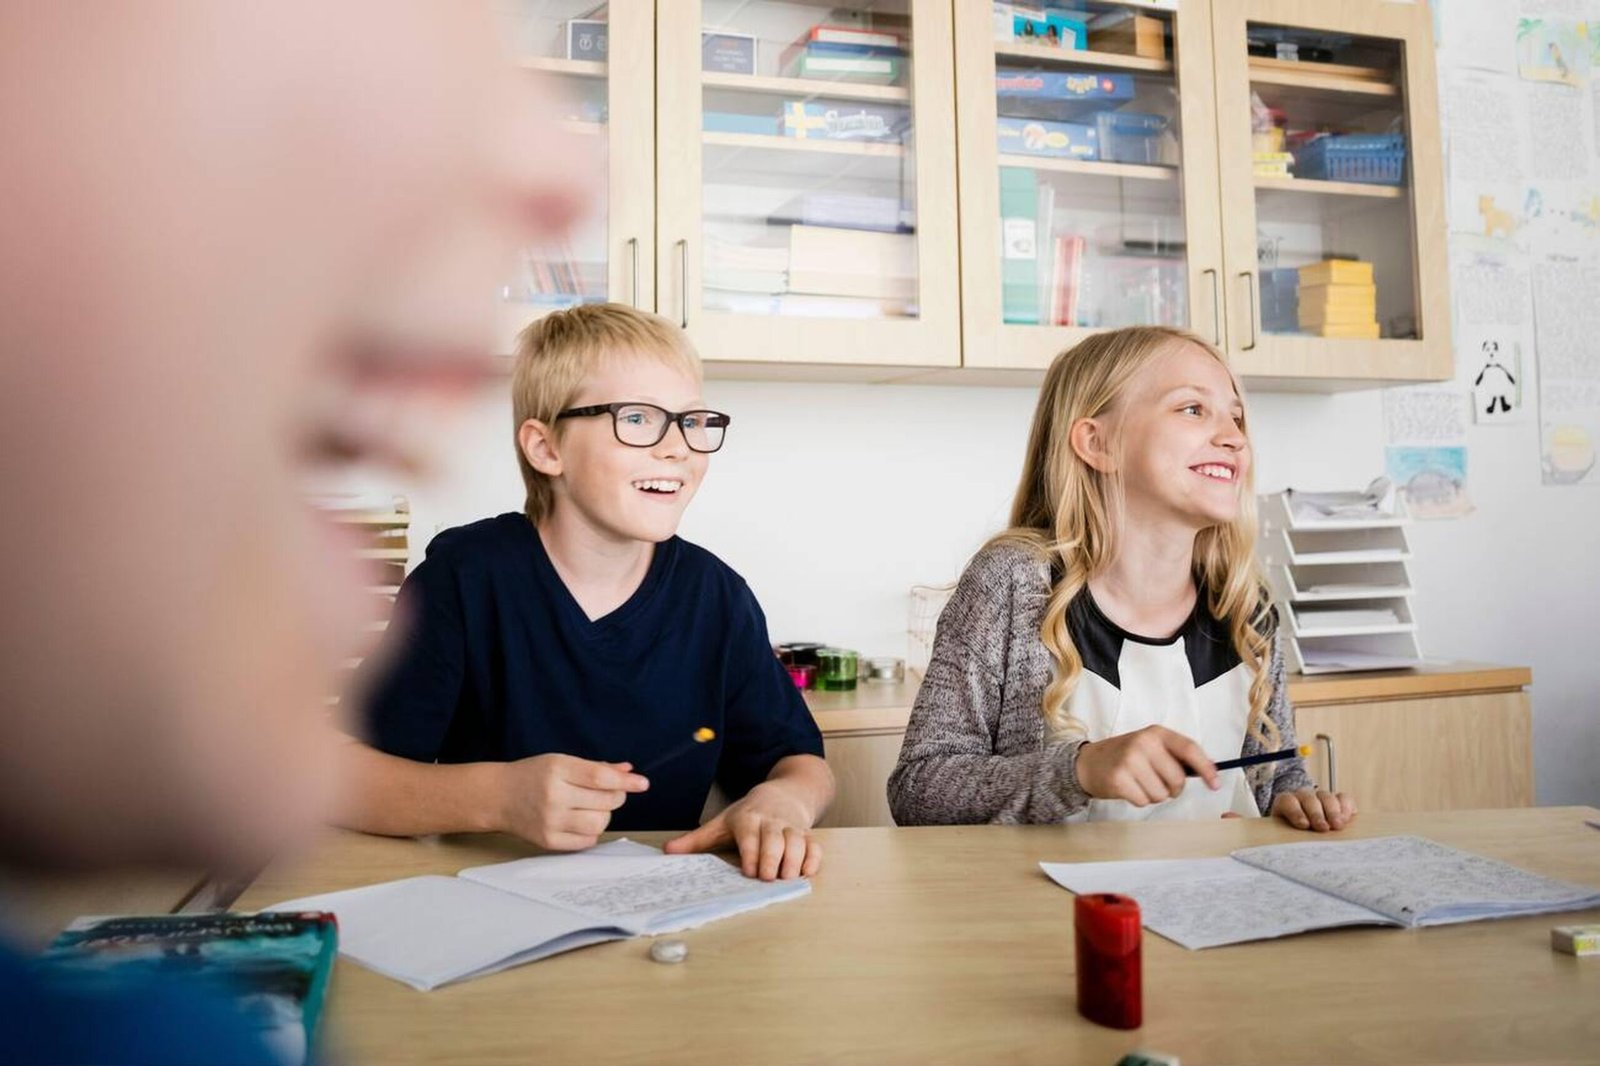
x=1067 y=513
x=556 y=353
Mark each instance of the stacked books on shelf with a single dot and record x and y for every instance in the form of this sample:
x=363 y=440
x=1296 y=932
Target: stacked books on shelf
x=1271 y=164
x=1336 y=564
x=863 y=265
x=1337 y=298
x=733 y=266
x=830 y=261
x=380 y=526
x=845 y=53
x=557 y=278
x=1041 y=272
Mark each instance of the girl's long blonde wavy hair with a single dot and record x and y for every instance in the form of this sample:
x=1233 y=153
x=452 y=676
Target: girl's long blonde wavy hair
x=1068 y=514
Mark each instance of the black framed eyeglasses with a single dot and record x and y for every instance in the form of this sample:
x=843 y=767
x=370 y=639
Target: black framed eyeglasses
x=643 y=425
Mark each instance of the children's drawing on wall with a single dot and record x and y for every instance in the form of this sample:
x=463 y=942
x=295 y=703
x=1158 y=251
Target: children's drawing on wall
x=1493 y=361
x=1566 y=326
x=1553 y=50
x=1425 y=428
x=1432 y=480
x=1568 y=454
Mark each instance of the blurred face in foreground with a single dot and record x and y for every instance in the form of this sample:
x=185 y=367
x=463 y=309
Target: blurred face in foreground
x=240 y=240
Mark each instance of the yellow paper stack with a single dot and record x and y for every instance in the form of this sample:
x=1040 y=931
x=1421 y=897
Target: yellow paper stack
x=1339 y=299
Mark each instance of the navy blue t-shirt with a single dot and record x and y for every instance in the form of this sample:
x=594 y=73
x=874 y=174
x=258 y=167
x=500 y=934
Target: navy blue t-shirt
x=496 y=661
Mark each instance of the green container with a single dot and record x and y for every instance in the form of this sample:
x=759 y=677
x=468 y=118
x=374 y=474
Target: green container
x=836 y=669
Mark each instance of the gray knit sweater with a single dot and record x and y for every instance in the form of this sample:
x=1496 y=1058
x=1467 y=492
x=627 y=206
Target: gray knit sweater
x=974 y=750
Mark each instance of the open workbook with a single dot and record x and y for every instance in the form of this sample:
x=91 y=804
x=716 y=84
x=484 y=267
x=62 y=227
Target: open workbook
x=430 y=931
x=1278 y=890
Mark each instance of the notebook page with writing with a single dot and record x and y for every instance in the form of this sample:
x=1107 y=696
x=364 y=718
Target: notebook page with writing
x=1206 y=903
x=637 y=887
x=430 y=931
x=1418 y=882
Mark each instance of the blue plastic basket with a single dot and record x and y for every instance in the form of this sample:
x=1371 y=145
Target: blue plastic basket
x=1373 y=158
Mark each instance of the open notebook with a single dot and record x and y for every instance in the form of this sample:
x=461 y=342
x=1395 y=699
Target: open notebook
x=1274 y=891
x=430 y=931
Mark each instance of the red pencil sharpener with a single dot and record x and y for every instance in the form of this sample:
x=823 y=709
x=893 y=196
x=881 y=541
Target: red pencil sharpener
x=1110 y=978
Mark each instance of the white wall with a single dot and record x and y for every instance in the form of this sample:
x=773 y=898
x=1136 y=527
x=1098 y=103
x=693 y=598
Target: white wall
x=832 y=500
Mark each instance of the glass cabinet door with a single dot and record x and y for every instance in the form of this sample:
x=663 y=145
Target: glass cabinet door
x=598 y=63
x=803 y=220
x=1332 y=190
x=1088 y=176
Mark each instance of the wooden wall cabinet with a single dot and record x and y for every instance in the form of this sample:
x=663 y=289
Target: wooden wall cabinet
x=721 y=177
x=1195 y=237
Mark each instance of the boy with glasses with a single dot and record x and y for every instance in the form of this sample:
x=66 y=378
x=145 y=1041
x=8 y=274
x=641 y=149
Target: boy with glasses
x=553 y=654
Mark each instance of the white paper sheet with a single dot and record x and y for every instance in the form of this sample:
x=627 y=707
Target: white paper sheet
x=429 y=931
x=1419 y=882
x=1207 y=903
x=637 y=886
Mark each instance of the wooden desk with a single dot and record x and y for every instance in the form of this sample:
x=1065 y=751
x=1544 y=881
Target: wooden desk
x=33 y=909
x=949 y=945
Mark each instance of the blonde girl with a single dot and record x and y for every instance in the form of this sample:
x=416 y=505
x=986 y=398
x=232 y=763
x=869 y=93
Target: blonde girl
x=1118 y=634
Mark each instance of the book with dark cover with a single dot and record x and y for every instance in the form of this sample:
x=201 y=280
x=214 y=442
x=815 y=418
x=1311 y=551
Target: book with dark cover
x=274 y=967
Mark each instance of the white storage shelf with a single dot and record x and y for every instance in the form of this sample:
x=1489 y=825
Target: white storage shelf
x=1343 y=588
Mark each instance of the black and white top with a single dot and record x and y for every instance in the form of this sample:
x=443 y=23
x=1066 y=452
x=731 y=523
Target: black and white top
x=975 y=750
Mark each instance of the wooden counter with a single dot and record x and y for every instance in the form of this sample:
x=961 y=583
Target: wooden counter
x=1443 y=735
x=873 y=708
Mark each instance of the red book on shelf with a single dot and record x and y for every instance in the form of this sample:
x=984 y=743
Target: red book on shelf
x=825 y=34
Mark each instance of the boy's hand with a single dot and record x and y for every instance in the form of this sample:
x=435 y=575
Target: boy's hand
x=1314 y=809
x=771 y=828
x=561 y=802
x=1143 y=767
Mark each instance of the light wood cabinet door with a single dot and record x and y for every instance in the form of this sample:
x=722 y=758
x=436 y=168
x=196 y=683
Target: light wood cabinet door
x=1444 y=753
x=1056 y=247
x=808 y=209
x=1373 y=204
x=602 y=70
x=861 y=764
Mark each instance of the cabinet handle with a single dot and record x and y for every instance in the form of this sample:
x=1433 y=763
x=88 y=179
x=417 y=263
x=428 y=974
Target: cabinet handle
x=1216 y=306
x=1333 y=773
x=1250 y=287
x=633 y=289
x=683 y=283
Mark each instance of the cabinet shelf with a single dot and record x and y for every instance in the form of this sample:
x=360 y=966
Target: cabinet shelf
x=806 y=87
x=1302 y=80
x=1089 y=166
x=582 y=68
x=803 y=144
x=1331 y=188
x=1082 y=58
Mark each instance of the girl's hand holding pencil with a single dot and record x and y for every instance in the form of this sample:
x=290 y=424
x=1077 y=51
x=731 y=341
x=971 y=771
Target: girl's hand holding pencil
x=1146 y=766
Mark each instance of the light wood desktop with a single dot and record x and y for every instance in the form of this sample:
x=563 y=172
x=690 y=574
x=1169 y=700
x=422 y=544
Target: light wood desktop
x=36 y=907
x=949 y=945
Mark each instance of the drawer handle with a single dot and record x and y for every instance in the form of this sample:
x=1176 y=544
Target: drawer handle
x=1333 y=773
